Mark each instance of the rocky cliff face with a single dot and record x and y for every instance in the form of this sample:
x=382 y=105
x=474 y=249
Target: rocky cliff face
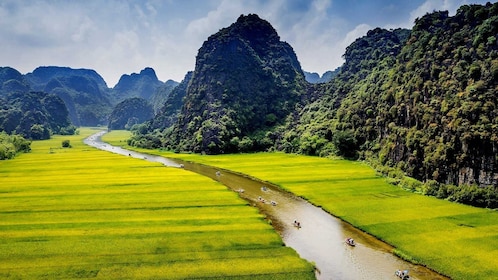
x=84 y=92
x=142 y=85
x=442 y=101
x=245 y=81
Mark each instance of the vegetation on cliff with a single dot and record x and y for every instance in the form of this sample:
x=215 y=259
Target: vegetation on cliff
x=422 y=101
x=246 y=82
x=34 y=115
x=83 y=91
x=11 y=145
x=130 y=112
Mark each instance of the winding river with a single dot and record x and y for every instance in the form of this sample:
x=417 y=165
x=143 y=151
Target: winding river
x=320 y=239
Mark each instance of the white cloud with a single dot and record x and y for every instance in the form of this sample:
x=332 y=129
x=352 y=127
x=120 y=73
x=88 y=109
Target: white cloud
x=118 y=37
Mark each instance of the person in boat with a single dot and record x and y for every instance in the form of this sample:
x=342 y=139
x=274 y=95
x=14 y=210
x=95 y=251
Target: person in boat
x=403 y=274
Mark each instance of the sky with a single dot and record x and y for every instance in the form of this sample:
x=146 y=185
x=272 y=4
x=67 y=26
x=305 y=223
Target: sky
x=116 y=37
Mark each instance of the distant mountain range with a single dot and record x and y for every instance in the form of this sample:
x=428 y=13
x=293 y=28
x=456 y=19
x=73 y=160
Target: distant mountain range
x=84 y=92
x=315 y=78
x=422 y=101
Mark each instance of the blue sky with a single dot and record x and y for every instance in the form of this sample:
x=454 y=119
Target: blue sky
x=116 y=37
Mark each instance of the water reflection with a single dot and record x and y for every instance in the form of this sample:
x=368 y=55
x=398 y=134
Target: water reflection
x=321 y=237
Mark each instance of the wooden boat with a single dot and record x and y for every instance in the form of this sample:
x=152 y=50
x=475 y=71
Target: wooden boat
x=402 y=274
x=350 y=241
x=297 y=224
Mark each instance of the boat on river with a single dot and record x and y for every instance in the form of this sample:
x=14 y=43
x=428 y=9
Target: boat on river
x=402 y=274
x=350 y=241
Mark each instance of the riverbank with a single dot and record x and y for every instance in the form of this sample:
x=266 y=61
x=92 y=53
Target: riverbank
x=79 y=212
x=457 y=240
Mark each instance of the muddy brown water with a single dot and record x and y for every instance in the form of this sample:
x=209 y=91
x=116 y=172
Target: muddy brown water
x=320 y=239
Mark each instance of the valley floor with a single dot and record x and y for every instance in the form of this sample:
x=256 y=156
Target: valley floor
x=456 y=240
x=68 y=213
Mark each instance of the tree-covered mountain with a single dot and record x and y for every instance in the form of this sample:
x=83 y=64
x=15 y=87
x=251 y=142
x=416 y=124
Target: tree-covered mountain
x=162 y=93
x=420 y=100
x=314 y=129
x=142 y=85
x=34 y=115
x=84 y=92
x=435 y=111
x=246 y=82
x=12 y=81
x=315 y=78
x=425 y=104
x=151 y=133
x=130 y=112
x=44 y=74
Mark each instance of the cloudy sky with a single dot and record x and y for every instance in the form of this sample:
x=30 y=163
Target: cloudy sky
x=116 y=37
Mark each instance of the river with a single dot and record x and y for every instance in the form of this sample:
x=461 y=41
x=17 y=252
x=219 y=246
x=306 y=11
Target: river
x=320 y=239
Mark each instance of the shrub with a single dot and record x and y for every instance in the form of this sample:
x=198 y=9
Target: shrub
x=10 y=145
x=66 y=144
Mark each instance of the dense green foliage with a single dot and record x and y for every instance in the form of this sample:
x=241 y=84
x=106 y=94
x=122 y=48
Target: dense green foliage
x=162 y=94
x=34 y=115
x=10 y=145
x=130 y=112
x=424 y=102
x=246 y=82
x=150 y=134
x=84 y=92
x=12 y=81
x=143 y=85
x=320 y=128
x=421 y=101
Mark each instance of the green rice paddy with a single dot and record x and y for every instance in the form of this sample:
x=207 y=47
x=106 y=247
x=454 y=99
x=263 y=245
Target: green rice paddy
x=80 y=213
x=456 y=240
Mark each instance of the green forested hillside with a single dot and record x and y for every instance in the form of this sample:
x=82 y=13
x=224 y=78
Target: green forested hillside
x=429 y=109
x=84 y=92
x=130 y=112
x=142 y=85
x=34 y=115
x=246 y=82
x=162 y=93
x=422 y=100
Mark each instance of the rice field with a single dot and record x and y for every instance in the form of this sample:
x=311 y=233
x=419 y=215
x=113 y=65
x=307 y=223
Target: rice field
x=456 y=240
x=80 y=213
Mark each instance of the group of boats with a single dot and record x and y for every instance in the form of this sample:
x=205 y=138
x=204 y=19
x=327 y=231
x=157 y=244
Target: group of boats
x=402 y=274
x=262 y=200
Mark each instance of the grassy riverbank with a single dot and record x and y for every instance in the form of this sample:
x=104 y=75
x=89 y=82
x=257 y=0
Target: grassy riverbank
x=457 y=240
x=78 y=212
